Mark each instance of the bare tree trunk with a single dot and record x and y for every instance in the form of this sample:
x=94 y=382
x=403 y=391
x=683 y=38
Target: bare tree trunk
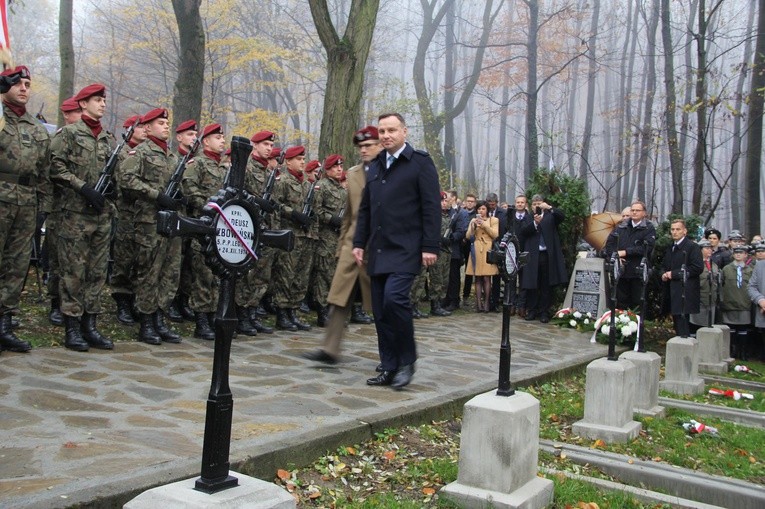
x=754 y=138
x=646 y=132
x=532 y=150
x=572 y=97
x=469 y=157
x=685 y=117
x=503 y=113
x=675 y=159
x=346 y=62
x=188 y=89
x=591 y=80
x=66 y=52
x=449 y=146
x=623 y=164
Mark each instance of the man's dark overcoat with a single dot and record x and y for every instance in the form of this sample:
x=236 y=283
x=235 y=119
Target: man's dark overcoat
x=688 y=253
x=556 y=264
x=637 y=241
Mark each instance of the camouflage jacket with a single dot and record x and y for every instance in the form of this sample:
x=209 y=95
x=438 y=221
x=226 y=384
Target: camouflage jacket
x=145 y=173
x=77 y=158
x=289 y=193
x=24 y=162
x=329 y=200
x=201 y=180
x=255 y=179
x=313 y=230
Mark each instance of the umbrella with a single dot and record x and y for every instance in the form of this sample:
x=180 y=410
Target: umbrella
x=598 y=226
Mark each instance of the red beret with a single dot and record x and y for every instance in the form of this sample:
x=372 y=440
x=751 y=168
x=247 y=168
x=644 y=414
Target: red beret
x=366 y=133
x=70 y=105
x=153 y=115
x=332 y=160
x=312 y=165
x=212 y=129
x=291 y=152
x=443 y=195
x=275 y=153
x=132 y=120
x=189 y=125
x=22 y=70
x=263 y=136
x=89 y=91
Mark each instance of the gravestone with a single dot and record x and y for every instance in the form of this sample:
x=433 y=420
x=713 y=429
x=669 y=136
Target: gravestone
x=587 y=288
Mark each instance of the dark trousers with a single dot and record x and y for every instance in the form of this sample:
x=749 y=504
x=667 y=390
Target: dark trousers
x=393 y=319
x=682 y=325
x=540 y=298
x=517 y=295
x=629 y=292
x=496 y=285
x=453 y=287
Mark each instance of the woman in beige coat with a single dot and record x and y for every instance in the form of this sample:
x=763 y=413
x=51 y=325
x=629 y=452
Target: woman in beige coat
x=481 y=232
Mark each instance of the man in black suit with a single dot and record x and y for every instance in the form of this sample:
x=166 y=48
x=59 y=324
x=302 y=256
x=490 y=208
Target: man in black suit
x=684 y=300
x=546 y=267
x=458 y=225
x=516 y=220
x=398 y=227
x=501 y=214
x=470 y=203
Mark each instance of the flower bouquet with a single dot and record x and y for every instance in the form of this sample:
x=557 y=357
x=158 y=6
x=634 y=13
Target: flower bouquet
x=626 y=323
x=572 y=319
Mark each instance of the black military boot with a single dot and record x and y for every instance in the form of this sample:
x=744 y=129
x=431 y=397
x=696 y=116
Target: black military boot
x=55 y=316
x=243 y=325
x=8 y=340
x=166 y=333
x=358 y=315
x=174 y=311
x=260 y=311
x=147 y=333
x=301 y=325
x=283 y=320
x=416 y=313
x=322 y=316
x=437 y=310
x=124 y=314
x=203 y=329
x=91 y=335
x=257 y=324
x=73 y=339
x=186 y=310
x=304 y=307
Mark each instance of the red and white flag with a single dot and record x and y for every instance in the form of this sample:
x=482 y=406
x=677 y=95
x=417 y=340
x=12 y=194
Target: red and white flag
x=5 y=41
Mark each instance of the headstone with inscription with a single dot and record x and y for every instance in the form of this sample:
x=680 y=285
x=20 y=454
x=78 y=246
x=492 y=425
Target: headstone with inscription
x=587 y=288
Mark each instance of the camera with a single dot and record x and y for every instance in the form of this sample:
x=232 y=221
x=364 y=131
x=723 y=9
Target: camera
x=539 y=211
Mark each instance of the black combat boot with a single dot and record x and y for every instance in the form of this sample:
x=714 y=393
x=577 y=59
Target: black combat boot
x=124 y=314
x=73 y=339
x=322 y=316
x=8 y=340
x=147 y=333
x=257 y=324
x=304 y=307
x=416 y=313
x=203 y=330
x=437 y=310
x=186 y=310
x=91 y=335
x=166 y=333
x=301 y=325
x=243 y=325
x=174 y=310
x=283 y=320
x=358 y=315
x=261 y=311
x=55 y=316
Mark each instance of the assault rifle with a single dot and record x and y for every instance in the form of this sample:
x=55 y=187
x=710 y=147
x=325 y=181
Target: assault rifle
x=268 y=190
x=107 y=174
x=308 y=202
x=173 y=189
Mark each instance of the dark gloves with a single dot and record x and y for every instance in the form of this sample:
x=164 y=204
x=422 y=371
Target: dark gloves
x=301 y=218
x=266 y=206
x=93 y=197
x=110 y=192
x=165 y=202
x=336 y=222
x=41 y=217
x=6 y=82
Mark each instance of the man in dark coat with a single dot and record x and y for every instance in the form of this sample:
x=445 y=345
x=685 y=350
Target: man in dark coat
x=546 y=267
x=399 y=228
x=684 y=299
x=516 y=220
x=632 y=240
x=458 y=225
x=494 y=210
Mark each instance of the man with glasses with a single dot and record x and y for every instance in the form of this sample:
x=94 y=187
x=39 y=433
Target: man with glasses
x=631 y=240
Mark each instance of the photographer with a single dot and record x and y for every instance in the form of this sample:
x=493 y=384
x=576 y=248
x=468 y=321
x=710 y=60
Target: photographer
x=481 y=233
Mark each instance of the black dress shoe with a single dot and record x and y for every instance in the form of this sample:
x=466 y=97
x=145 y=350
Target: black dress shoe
x=544 y=319
x=379 y=368
x=320 y=356
x=384 y=378
x=530 y=316
x=403 y=377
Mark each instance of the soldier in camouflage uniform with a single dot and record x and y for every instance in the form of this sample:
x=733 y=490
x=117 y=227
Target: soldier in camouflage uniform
x=144 y=176
x=251 y=289
x=290 y=278
x=72 y=113
x=123 y=248
x=24 y=189
x=329 y=205
x=203 y=178
x=438 y=273
x=78 y=154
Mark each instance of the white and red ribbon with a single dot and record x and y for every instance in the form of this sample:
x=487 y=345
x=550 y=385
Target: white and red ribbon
x=219 y=210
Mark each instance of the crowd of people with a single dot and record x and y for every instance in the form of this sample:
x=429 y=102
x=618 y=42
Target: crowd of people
x=381 y=236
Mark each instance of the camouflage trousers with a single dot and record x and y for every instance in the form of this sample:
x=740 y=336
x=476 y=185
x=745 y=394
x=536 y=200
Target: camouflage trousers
x=419 y=291
x=17 y=226
x=83 y=253
x=156 y=270
x=291 y=273
x=438 y=275
x=324 y=264
x=54 y=267
x=204 y=290
x=187 y=277
x=254 y=285
x=123 y=258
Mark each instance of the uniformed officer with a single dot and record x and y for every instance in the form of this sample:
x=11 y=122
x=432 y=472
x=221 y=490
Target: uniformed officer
x=203 y=178
x=72 y=113
x=24 y=189
x=146 y=172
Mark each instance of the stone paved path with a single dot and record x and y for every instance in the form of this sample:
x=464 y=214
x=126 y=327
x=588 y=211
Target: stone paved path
x=76 y=427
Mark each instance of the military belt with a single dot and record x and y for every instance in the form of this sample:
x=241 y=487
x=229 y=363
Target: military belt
x=15 y=179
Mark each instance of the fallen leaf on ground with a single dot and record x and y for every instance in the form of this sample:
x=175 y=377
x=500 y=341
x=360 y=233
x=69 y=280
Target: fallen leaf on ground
x=282 y=474
x=428 y=491
x=389 y=455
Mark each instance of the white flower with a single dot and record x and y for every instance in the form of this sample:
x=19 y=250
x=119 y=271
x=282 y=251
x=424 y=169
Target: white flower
x=577 y=314
x=606 y=329
x=627 y=332
x=572 y=323
x=634 y=326
x=588 y=315
x=586 y=321
x=624 y=318
x=561 y=314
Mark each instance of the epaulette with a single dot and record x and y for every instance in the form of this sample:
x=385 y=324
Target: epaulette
x=422 y=152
